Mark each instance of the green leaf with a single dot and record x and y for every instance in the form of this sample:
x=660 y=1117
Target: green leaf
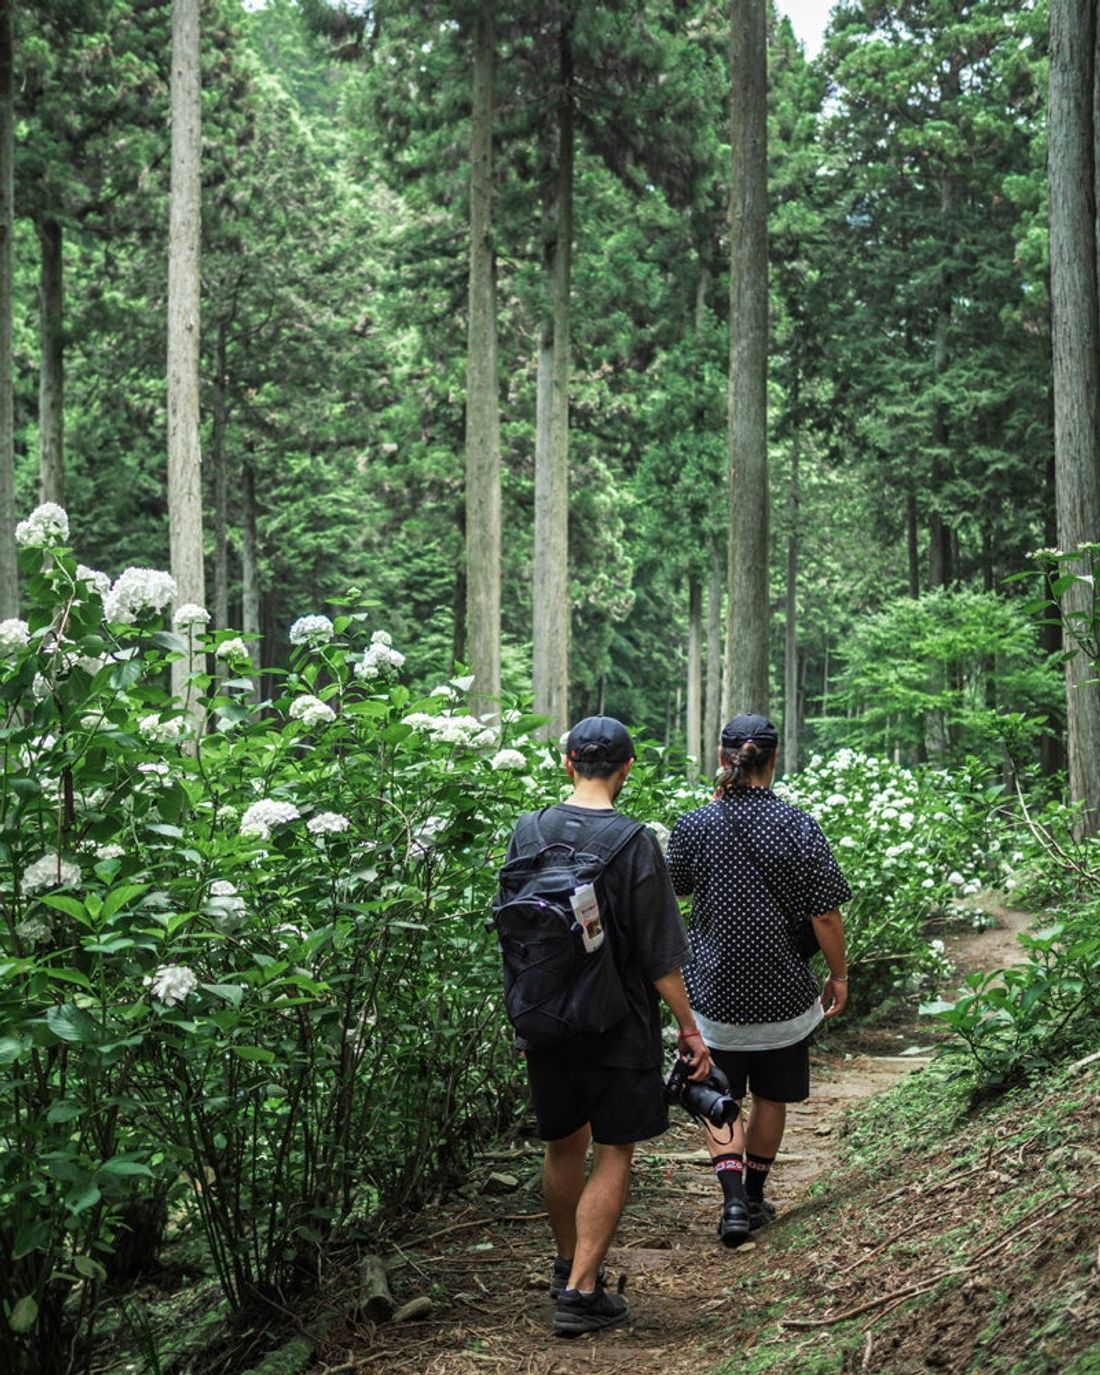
x=71 y=976
x=70 y=906
x=119 y=1165
x=260 y=1053
x=63 y=1112
x=82 y=1197
x=31 y=1236
x=231 y=993
x=69 y=1023
x=118 y=898
x=125 y=675
x=165 y=639
x=24 y=1314
x=88 y=1268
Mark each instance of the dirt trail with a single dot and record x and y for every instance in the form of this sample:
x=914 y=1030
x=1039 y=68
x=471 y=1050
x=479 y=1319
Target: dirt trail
x=484 y=1259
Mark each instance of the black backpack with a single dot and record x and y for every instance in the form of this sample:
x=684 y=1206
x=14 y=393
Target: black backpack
x=554 y=989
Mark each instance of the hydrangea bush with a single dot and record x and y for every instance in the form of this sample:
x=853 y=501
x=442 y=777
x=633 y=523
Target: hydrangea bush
x=243 y=963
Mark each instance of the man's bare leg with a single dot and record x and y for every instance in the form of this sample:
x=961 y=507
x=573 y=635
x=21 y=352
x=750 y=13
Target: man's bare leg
x=598 y=1212
x=563 y=1182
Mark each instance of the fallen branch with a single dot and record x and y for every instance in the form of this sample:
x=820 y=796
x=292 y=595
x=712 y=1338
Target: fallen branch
x=805 y=1324
x=478 y=1222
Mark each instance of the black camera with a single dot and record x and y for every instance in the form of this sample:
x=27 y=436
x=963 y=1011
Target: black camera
x=708 y=1099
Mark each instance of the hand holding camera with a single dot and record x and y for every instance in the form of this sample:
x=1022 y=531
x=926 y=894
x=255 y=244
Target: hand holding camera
x=706 y=1100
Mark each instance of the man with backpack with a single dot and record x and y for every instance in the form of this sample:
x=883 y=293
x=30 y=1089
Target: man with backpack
x=586 y=1004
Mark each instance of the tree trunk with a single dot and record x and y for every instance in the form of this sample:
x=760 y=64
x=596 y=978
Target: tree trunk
x=51 y=375
x=221 y=484
x=9 y=586
x=551 y=623
x=747 y=615
x=184 y=456
x=911 y=542
x=250 y=576
x=790 y=657
x=712 y=715
x=694 y=738
x=482 y=397
x=1074 y=144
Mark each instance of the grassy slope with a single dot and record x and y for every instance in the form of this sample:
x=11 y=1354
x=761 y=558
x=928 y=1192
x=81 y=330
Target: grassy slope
x=967 y=1236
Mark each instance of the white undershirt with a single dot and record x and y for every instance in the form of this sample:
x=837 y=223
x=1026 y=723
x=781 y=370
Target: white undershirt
x=760 y=1035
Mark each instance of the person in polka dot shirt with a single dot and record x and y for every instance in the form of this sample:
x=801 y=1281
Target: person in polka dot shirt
x=756 y=868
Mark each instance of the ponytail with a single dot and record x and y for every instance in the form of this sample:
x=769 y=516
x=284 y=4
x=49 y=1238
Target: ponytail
x=742 y=763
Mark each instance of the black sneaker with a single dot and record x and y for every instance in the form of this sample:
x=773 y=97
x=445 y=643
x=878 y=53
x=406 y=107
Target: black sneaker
x=560 y=1280
x=578 y=1313
x=735 y=1224
x=761 y=1212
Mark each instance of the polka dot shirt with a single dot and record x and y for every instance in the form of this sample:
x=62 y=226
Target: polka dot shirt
x=755 y=866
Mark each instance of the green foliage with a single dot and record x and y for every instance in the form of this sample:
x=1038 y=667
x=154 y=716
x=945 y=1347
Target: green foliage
x=942 y=676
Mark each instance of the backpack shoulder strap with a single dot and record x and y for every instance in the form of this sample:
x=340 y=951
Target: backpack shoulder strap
x=529 y=838
x=614 y=835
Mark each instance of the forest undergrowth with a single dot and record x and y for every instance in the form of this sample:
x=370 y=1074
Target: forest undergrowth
x=919 y=1231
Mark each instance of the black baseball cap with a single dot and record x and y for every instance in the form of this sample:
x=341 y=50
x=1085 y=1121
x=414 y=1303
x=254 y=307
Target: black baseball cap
x=743 y=728
x=599 y=740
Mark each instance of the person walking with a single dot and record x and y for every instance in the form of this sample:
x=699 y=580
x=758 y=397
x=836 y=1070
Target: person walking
x=761 y=875
x=607 y=1088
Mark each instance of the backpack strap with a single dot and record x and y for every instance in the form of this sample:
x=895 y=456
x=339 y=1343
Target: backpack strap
x=605 y=843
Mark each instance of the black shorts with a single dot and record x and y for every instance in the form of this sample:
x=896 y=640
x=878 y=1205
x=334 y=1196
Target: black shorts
x=782 y=1075
x=622 y=1105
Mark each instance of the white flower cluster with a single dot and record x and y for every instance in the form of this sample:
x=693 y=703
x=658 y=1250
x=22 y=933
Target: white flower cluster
x=172 y=983
x=232 y=649
x=453 y=730
x=155 y=769
x=311 y=711
x=190 y=614
x=50 y=871
x=381 y=658
x=136 y=590
x=34 y=930
x=259 y=818
x=14 y=634
x=100 y=582
x=226 y=902
x=161 y=732
x=109 y=852
x=424 y=839
x=327 y=823
x=311 y=630
x=47 y=524
x=508 y=759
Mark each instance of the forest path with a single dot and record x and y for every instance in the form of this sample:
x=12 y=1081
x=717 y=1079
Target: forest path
x=485 y=1258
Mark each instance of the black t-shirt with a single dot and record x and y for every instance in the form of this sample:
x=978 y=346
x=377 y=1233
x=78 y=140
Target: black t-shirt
x=647 y=937
x=753 y=864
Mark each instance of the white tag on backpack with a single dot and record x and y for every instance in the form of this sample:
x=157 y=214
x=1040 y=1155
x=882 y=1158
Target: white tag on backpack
x=586 y=909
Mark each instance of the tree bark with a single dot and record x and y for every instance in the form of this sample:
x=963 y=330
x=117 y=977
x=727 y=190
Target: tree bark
x=694 y=733
x=1074 y=143
x=790 y=657
x=911 y=542
x=712 y=715
x=482 y=395
x=221 y=482
x=250 y=576
x=9 y=586
x=551 y=621
x=747 y=617
x=184 y=227
x=51 y=374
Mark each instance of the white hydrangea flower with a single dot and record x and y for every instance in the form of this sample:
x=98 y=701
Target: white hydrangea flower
x=419 y=720
x=226 y=901
x=927 y=883
x=836 y=800
x=508 y=759
x=34 y=930
x=109 y=852
x=937 y=947
x=380 y=660
x=172 y=983
x=232 y=649
x=156 y=767
x=47 y=524
x=40 y=688
x=190 y=614
x=14 y=634
x=100 y=582
x=381 y=637
x=259 y=818
x=955 y=879
x=311 y=711
x=311 y=630
x=51 y=871
x=661 y=831
x=327 y=823
x=424 y=839
x=161 y=732
x=136 y=590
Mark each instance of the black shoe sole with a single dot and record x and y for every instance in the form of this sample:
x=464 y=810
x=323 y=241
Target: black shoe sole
x=589 y=1324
